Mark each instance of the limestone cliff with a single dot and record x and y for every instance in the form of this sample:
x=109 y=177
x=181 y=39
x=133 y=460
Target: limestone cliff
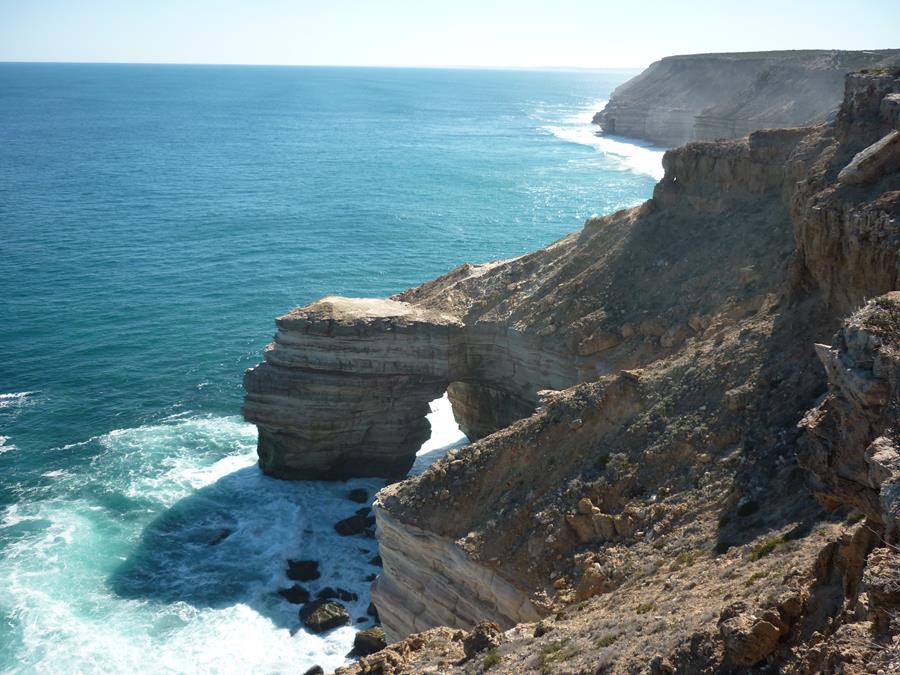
x=345 y=386
x=643 y=379
x=853 y=444
x=710 y=96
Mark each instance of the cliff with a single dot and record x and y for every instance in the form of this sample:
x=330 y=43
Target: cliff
x=711 y=96
x=651 y=400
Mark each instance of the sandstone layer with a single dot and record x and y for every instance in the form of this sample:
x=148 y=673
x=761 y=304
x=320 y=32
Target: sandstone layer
x=345 y=386
x=714 y=96
x=455 y=591
x=645 y=487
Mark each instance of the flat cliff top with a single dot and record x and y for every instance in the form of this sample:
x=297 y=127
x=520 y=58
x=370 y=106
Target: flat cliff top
x=854 y=59
x=335 y=308
x=710 y=96
x=662 y=504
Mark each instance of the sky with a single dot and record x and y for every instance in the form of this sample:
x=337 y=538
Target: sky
x=466 y=33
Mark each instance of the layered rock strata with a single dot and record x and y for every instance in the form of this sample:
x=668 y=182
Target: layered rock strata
x=714 y=96
x=672 y=356
x=454 y=590
x=853 y=444
x=345 y=386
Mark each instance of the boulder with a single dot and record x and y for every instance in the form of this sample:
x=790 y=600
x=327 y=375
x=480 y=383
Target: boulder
x=358 y=495
x=356 y=524
x=328 y=593
x=296 y=594
x=485 y=635
x=320 y=616
x=875 y=161
x=748 y=638
x=303 y=570
x=369 y=641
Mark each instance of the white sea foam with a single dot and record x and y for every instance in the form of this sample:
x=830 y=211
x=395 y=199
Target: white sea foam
x=5 y=445
x=445 y=435
x=151 y=501
x=15 y=395
x=13 y=399
x=629 y=154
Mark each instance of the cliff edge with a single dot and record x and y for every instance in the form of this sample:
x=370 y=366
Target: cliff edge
x=650 y=399
x=680 y=99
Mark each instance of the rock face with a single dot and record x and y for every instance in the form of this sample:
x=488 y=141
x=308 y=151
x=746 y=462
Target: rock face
x=345 y=387
x=429 y=581
x=710 y=96
x=635 y=391
x=346 y=384
x=853 y=445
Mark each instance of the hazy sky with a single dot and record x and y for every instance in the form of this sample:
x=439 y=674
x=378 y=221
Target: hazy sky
x=519 y=33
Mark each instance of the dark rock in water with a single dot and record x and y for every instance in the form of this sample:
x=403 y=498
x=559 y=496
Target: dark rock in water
x=372 y=610
x=376 y=561
x=361 y=619
x=303 y=570
x=364 y=511
x=221 y=536
x=353 y=525
x=358 y=495
x=296 y=594
x=371 y=577
x=324 y=615
x=328 y=593
x=315 y=670
x=369 y=641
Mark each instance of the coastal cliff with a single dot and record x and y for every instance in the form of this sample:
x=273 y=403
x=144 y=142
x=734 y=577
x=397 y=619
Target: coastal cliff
x=711 y=96
x=651 y=400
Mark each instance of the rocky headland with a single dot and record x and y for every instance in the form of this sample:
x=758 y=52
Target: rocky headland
x=696 y=97
x=685 y=421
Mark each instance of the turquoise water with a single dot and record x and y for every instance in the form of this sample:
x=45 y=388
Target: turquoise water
x=153 y=221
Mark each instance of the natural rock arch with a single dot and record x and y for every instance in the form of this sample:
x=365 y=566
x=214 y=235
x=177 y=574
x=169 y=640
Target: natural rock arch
x=345 y=385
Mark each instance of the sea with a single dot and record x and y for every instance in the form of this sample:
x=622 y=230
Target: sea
x=154 y=219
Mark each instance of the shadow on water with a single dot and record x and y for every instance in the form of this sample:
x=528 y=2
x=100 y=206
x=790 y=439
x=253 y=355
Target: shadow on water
x=228 y=543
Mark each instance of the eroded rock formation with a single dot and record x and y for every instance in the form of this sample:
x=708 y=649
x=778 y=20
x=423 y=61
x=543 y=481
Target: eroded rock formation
x=454 y=591
x=346 y=384
x=660 y=360
x=853 y=444
x=711 y=96
x=345 y=387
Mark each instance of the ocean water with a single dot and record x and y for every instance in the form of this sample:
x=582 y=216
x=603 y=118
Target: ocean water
x=153 y=221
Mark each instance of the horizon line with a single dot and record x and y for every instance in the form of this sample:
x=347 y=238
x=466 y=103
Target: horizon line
x=316 y=65
x=531 y=67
